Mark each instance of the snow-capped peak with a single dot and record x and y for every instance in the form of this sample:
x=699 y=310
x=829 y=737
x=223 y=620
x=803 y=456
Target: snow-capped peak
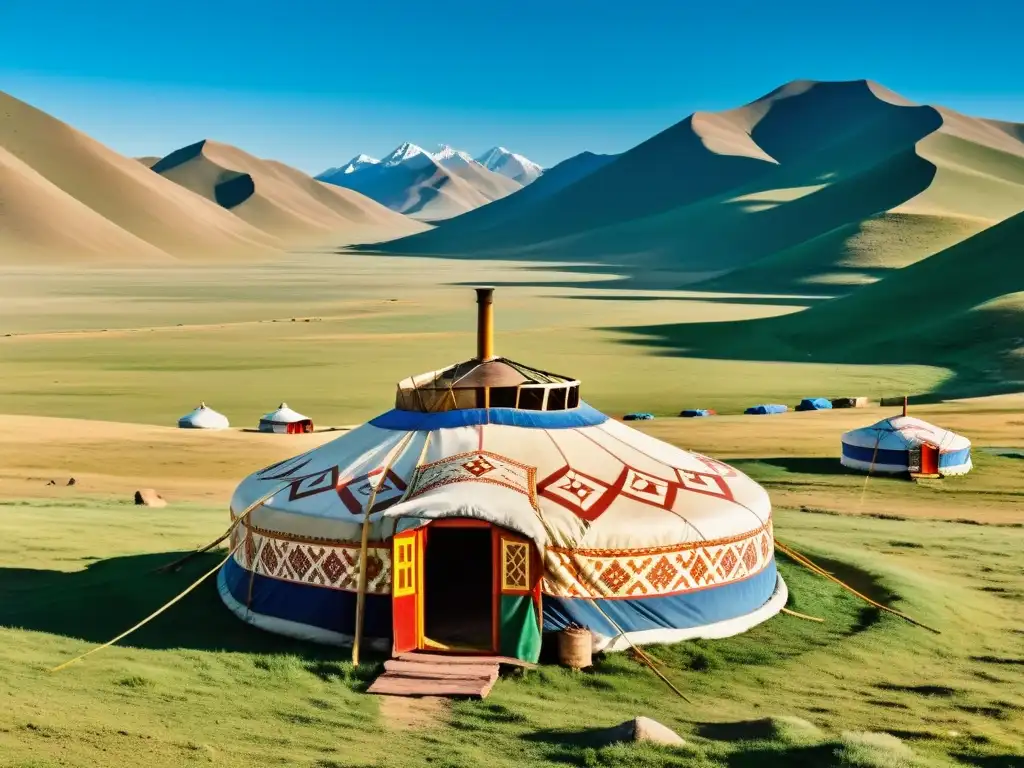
x=447 y=155
x=515 y=166
x=358 y=163
x=403 y=154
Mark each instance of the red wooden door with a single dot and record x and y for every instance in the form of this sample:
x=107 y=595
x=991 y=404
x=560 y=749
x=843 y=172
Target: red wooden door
x=405 y=586
x=929 y=459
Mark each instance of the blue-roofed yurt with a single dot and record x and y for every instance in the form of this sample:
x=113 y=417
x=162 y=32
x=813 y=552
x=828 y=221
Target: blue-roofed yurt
x=766 y=410
x=492 y=504
x=904 y=444
x=815 y=404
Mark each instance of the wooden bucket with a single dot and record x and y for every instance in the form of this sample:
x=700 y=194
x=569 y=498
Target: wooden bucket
x=575 y=647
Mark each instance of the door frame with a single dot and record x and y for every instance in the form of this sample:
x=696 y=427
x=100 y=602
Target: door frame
x=420 y=537
x=426 y=643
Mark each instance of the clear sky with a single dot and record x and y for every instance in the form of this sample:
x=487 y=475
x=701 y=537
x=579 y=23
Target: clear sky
x=314 y=82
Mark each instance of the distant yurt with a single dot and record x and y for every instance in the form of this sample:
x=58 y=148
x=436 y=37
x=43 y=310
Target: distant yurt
x=490 y=505
x=203 y=417
x=904 y=444
x=285 y=421
x=696 y=413
x=815 y=404
x=765 y=410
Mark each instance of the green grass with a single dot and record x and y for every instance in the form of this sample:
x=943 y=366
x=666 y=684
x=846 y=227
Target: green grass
x=227 y=337
x=197 y=686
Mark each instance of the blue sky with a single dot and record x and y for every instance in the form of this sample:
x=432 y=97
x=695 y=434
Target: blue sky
x=313 y=82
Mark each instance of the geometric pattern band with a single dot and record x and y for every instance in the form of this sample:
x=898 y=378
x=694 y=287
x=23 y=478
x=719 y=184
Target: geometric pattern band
x=657 y=571
x=317 y=564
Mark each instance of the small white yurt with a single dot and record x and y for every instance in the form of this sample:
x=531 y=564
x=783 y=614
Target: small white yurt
x=203 y=417
x=490 y=505
x=285 y=421
x=904 y=444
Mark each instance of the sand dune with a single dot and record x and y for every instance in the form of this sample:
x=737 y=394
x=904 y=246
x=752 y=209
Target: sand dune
x=39 y=222
x=779 y=194
x=124 y=191
x=280 y=200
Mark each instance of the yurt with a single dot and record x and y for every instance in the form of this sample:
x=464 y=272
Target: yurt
x=766 y=409
x=203 y=417
x=815 y=404
x=285 y=421
x=904 y=444
x=490 y=505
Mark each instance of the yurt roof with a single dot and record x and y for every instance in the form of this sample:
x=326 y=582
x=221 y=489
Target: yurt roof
x=905 y=432
x=567 y=477
x=470 y=374
x=204 y=417
x=284 y=415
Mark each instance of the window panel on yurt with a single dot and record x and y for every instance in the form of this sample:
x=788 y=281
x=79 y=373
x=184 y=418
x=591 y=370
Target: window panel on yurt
x=531 y=399
x=503 y=397
x=556 y=399
x=573 y=399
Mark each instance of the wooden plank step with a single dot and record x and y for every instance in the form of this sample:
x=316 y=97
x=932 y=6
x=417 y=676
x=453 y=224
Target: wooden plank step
x=444 y=658
x=398 y=685
x=440 y=670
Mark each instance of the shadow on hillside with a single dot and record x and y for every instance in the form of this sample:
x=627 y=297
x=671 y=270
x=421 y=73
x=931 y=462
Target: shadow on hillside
x=808 y=465
x=992 y=761
x=110 y=596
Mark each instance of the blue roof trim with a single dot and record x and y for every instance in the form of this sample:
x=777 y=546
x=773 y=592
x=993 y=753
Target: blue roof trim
x=407 y=421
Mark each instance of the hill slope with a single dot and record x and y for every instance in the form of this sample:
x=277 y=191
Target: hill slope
x=781 y=194
x=123 y=191
x=515 y=205
x=39 y=222
x=279 y=199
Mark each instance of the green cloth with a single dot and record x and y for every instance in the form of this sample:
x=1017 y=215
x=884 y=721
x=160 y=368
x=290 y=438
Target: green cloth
x=519 y=631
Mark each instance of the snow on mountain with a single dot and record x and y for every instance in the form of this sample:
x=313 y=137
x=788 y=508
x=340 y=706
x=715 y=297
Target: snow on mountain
x=407 y=154
x=453 y=158
x=359 y=162
x=510 y=164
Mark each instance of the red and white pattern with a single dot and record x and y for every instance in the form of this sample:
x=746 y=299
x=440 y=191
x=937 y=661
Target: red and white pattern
x=355 y=494
x=656 y=571
x=317 y=564
x=582 y=494
x=476 y=467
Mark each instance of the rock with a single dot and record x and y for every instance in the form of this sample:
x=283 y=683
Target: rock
x=149 y=498
x=52 y=482
x=71 y=481
x=644 y=729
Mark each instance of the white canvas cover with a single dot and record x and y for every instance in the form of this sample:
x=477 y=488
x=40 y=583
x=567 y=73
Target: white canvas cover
x=203 y=417
x=879 y=447
x=279 y=419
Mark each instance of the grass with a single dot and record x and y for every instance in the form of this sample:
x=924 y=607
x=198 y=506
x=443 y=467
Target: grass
x=152 y=344
x=198 y=686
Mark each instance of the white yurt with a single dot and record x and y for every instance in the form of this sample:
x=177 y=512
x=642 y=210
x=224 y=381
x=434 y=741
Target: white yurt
x=490 y=505
x=904 y=444
x=203 y=417
x=283 y=420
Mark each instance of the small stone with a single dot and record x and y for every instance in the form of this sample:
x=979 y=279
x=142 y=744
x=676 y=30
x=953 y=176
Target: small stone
x=644 y=729
x=149 y=498
x=71 y=481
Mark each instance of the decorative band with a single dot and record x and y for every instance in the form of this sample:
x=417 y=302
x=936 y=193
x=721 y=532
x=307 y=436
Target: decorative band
x=313 y=563
x=640 y=573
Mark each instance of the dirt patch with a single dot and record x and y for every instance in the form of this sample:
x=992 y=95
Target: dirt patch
x=407 y=713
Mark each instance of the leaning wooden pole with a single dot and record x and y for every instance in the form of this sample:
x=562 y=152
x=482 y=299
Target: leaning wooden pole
x=364 y=544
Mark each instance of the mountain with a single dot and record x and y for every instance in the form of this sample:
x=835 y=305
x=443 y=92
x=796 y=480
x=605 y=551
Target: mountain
x=357 y=163
x=480 y=220
x=424 y=185
x=816 y=186
x=281 y=200
x=64 y=197
x=517 y=167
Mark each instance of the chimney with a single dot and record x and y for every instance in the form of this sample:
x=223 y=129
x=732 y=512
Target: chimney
x=484 y=324
x=904 y=405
